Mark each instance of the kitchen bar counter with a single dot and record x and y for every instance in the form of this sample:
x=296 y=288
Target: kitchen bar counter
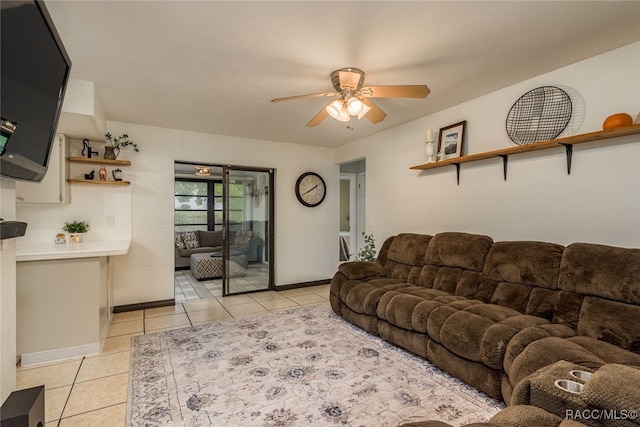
x=39 y=251
x=63 y=298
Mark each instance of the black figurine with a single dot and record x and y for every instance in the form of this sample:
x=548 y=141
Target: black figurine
x=90 y=175
x=86 y=146
x=117 y=174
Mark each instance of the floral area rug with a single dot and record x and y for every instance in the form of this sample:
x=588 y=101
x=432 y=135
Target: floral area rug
x=299 y=367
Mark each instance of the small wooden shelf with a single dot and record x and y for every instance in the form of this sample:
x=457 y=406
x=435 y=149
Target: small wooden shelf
x=99 y=161
x=97 y=182
x=566 y=142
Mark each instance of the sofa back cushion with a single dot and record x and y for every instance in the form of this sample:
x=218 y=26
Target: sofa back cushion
x=406 y=252
x=606 y=282
x=210 y=238
x=522 y=275
x=611 y=321
x=602 y=271
x=453 y=262
x=459 y=250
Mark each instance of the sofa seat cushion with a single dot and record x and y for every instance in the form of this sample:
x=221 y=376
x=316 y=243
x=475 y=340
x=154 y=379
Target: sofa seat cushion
x=199 y=250
x=361 y=297
x=477 y=331
x=409 y=306
x=610 y=353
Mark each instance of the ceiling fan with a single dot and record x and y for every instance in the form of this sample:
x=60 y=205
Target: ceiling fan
x=353 y=99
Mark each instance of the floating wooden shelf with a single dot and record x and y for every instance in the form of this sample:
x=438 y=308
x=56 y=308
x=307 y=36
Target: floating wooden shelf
x=566 y=142
x=97 y=182
x=97 y=161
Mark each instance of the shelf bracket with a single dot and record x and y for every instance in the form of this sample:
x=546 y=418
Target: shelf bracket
x=505 y=160
x=569 y=150
x=457 y=165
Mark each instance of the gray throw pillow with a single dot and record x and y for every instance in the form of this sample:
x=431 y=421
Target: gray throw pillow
x=210 y=239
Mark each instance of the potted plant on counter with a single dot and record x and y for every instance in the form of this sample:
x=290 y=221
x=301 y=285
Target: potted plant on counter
x=76 y=229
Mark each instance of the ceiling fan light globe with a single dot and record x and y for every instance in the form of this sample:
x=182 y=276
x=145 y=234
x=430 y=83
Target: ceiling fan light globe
x=354 y=106
x=364 y=111
x=334 y=109
x=337 y=111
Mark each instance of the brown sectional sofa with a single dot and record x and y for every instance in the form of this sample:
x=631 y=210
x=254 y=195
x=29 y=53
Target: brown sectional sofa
x=492 y=313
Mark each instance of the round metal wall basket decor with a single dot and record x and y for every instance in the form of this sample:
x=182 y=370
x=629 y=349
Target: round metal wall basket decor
x=539 y=115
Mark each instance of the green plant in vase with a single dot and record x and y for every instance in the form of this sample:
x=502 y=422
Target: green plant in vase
x=368 y=251
x=115 y=144
x=75 y=230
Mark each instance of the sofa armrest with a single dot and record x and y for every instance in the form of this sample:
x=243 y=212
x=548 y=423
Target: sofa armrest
x=614 y=387
x=522 y=339
x=358 y=270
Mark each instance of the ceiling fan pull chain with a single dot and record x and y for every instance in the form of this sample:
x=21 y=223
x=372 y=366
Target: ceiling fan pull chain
x=349 y=125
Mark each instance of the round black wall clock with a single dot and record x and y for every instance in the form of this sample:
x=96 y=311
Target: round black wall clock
x=310 y=189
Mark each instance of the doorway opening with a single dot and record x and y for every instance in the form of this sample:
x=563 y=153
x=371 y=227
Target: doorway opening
x=223 y=223
x=352 y=208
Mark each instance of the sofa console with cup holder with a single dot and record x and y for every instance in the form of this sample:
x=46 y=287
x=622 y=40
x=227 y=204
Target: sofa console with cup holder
x=495 y=313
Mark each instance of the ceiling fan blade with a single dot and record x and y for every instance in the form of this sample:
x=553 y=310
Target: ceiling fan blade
x=400 y=91
x=318 y=118
x=375 y=114
x=311 y=95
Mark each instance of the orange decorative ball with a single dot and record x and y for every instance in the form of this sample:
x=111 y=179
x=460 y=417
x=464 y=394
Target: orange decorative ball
x=617 y=120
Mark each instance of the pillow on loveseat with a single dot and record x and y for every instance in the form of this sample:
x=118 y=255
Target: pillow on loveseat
x=190 y=240
x=179 y=241
x=242 y=238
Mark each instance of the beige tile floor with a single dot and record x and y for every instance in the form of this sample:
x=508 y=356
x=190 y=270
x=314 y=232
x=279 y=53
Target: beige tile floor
x=92 y=390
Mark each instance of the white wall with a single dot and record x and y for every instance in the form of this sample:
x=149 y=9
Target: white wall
x=7 y=294
x=598 y=202
x=107 y=209
x=306 y=243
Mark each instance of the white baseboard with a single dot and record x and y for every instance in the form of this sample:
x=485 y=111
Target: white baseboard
x=59 y=354
x=105 y=330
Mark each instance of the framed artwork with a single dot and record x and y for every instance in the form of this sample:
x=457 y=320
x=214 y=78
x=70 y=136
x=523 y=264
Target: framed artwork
x=451 y=140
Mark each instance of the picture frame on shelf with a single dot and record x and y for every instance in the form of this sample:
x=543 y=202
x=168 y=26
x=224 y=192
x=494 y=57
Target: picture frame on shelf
x=451 y=140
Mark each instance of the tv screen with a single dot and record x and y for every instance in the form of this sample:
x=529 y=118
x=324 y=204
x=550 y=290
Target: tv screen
x=35 y=70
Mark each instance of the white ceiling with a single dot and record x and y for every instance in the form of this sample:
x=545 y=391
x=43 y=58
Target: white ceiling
x=213 y=66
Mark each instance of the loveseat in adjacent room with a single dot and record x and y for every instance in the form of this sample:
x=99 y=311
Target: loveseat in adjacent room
x=188 y=243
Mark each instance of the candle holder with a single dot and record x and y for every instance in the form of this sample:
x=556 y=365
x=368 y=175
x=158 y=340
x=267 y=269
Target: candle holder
x=430 y=147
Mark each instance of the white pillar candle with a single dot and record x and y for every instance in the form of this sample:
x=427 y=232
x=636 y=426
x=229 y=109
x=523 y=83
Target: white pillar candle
x=429 y=134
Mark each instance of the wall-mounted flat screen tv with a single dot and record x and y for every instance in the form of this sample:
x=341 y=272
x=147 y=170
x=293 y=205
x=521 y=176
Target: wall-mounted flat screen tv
x=35 y=71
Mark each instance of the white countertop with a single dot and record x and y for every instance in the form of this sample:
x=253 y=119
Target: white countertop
x=38 y=251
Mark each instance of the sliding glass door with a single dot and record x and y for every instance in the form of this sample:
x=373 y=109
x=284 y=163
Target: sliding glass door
x=247 y=215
